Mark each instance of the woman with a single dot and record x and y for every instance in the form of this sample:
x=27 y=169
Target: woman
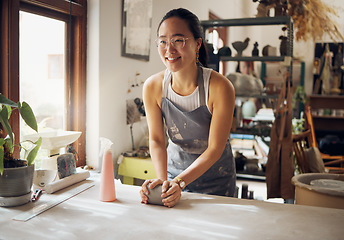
x=197 y=105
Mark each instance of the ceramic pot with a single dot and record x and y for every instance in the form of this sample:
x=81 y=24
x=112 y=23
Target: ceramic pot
x=319 y=195
x=16 y=182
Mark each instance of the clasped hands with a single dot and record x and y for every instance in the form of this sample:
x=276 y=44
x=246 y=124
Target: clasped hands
x=171 y=192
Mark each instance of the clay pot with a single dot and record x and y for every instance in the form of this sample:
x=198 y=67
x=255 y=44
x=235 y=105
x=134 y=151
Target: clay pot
x=15 y=184
x=316 y=195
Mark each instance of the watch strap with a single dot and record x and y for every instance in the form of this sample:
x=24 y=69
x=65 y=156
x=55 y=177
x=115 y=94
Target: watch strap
x=181 y=183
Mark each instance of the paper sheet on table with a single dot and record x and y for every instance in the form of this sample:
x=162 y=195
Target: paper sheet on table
x=66 y=182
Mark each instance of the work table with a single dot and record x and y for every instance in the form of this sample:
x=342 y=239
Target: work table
x=197 y=216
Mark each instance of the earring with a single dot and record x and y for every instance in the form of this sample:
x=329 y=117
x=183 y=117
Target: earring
x=197 y=56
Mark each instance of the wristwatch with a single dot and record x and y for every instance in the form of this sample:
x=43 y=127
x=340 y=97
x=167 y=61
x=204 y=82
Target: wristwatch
x=180 y=182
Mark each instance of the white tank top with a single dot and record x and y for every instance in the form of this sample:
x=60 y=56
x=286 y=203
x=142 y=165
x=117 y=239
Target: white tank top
x=189 y=102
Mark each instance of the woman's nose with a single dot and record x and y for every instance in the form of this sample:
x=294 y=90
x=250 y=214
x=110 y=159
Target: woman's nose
x=170 y=47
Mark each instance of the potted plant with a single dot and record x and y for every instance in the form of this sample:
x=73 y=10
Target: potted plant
x=16 y=175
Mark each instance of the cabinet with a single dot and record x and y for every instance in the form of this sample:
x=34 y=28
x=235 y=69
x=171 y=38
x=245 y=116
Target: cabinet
x=134 y=167
x=327 y=113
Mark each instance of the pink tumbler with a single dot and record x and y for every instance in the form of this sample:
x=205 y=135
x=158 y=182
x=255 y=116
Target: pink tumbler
x=107 y=183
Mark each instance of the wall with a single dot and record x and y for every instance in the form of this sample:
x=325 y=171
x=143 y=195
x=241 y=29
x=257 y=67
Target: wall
x=108 y=73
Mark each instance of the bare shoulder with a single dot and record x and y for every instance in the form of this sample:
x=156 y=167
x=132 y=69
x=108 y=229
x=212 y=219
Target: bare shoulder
x=221 y=93
x=152 y=88
x=154 y=82
x=219 y=83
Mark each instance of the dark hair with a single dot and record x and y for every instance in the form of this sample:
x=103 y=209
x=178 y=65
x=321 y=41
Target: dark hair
x=194 y=26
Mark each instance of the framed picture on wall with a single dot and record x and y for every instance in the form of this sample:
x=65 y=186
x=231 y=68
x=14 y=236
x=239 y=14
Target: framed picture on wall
x=136 y=28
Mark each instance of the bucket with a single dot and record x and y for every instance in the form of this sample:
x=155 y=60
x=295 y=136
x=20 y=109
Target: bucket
x=319 y=189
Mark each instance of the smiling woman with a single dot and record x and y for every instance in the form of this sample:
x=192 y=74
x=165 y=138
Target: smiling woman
x=64 y=66
x=196 y=104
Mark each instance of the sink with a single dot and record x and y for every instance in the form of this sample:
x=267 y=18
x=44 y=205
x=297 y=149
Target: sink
x=54 y=140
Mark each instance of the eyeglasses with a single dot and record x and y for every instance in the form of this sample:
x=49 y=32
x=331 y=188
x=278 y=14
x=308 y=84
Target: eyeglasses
x=177 y=42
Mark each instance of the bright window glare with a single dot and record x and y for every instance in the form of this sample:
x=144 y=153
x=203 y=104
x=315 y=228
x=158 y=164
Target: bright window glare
x=42 y=70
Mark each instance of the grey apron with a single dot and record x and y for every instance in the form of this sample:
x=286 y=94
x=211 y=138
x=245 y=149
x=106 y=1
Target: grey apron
x=188 y=138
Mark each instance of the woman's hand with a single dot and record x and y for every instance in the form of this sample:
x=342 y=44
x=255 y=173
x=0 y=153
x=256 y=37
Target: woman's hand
x=171 y=191
x=144 y=191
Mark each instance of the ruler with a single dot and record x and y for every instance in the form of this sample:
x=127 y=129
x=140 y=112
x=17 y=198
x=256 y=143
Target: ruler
x=25 y=216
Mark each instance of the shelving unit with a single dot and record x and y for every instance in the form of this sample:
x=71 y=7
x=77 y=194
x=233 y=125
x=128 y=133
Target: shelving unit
x=263 y=21
x=327 y=122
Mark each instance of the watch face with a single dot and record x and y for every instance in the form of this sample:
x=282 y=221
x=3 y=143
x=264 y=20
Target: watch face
x=182 y=184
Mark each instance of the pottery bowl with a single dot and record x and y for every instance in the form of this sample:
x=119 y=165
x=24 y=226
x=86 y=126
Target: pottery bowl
x=43 y=177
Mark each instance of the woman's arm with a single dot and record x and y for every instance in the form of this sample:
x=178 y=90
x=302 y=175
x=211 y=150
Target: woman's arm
x=152 y=93
x=221 y=103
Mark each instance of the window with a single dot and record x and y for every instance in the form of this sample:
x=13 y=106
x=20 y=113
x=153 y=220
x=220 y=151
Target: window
x=55 y=66
x=218 y=37
x=62 y=68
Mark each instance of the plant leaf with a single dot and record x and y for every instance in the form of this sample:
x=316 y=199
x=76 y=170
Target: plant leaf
x=28 y=116
x=9 y=145
x=33 y=153
x=1 y=160
x=9 y=110
x=6 y=101
x=5 y=124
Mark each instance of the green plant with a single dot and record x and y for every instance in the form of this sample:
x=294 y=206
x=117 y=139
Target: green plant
x=299 y=96
x=7 y=142
x=298 y=125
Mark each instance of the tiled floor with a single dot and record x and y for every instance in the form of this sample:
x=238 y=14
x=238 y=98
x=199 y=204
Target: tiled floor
x=258 y=188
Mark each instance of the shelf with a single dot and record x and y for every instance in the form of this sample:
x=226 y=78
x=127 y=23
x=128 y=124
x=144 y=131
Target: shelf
x=333 y=97
x=254 y=58
x=247 y=21
x=328 y=123
x=327 y=101
x=251 y=176
x=268 y=96
x=327 y=117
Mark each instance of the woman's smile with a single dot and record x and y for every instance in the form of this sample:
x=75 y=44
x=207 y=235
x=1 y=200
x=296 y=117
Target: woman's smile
x=172 y=59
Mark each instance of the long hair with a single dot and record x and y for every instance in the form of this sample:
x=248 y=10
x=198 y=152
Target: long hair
x=194 y=26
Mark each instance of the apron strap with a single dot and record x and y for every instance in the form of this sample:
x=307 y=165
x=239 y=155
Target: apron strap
x=201 y=90
x=165 y=83
x=200 y=83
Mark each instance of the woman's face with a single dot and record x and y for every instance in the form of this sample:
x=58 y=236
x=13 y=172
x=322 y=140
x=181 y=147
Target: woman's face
x=173 y=33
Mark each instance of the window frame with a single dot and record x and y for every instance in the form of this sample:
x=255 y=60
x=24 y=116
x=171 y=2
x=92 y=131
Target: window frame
x=222 y=34
x=76 y=40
